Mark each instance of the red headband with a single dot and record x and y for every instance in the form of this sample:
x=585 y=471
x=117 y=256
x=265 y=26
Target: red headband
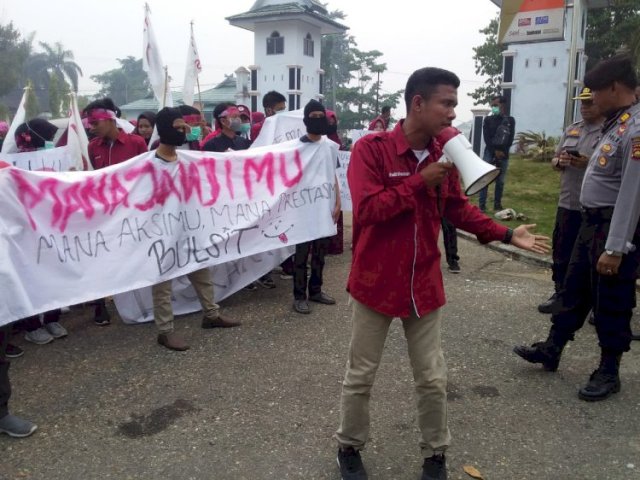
x=193 y=118
x=98 y=114
x=230 y=111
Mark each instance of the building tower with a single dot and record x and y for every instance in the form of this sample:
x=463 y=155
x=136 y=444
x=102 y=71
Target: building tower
x=287 y=45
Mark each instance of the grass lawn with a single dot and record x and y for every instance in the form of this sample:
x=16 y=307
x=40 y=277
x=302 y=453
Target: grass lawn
x=530 y=188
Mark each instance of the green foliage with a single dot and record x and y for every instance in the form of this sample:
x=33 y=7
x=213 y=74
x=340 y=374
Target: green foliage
x=125 y=84
x=13 y=52
x=488 y=62
x=531 y=188
x=353 y=89
x=536 y=146
x=613 y=29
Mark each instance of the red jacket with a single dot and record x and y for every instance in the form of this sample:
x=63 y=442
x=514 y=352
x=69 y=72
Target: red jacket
x=396 y=224
x=103 y=153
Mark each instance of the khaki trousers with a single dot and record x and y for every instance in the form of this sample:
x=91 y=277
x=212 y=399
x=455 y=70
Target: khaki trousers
x=369 y=332
x=161 y=292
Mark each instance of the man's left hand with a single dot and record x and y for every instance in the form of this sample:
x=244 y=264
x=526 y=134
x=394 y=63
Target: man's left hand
x=336 y=211
x=523 y=238
x=579 y=162
x=608 y=265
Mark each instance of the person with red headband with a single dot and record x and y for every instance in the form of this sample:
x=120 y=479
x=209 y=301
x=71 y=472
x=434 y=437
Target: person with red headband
x=109 y=146
x=227 y=118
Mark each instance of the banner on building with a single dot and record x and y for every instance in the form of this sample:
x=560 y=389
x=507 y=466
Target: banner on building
x=531 y=21
x=69 y=237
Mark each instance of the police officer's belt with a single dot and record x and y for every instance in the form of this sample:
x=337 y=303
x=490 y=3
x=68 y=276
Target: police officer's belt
x=602 y=214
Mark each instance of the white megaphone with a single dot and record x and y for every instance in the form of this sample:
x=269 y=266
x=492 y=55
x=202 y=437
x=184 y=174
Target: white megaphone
x=475 y=172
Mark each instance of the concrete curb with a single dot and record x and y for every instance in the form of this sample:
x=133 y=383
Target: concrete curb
x=515 y=253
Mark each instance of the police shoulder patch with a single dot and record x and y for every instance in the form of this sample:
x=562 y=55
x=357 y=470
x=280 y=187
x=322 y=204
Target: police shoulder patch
x=635 y=148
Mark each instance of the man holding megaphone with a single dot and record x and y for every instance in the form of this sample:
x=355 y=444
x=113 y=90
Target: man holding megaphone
x=400 y=192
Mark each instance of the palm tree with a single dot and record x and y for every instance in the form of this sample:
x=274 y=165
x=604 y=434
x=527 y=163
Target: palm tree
x=60 y=62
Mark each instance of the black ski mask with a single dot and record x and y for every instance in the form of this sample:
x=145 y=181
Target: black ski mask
x=169 y=135
x=315 y=126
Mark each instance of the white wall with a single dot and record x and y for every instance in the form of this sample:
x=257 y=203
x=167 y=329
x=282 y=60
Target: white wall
x=273 y=72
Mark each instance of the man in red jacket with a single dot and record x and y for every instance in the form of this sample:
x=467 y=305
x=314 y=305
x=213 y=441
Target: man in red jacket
x=400 y=192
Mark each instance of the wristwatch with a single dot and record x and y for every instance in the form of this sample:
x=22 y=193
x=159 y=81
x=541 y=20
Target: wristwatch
x=508 y=236
x=613 y=253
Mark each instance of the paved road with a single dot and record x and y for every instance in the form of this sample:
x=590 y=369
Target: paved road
x=261 y=401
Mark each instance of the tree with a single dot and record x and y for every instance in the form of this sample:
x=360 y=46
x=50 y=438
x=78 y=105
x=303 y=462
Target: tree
x=60 y=62
x=488 y=62
x=612 y=29
x=13 y=52
x=349 y=79
x=125 y=84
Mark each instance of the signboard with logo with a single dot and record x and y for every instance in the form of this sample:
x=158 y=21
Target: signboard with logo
x=531 y=21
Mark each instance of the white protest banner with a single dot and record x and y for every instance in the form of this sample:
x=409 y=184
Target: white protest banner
x=67 y=238
x=77 y=140
x=356 y=135
x=60 y=159
x=9 y=144
x=281 y=127
x=341 y=173
x=137 y=306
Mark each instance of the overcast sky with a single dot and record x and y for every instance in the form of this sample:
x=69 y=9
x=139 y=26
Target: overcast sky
x=411 y=34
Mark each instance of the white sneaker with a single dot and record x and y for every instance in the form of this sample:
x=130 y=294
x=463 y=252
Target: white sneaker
x=56 y=330
x=40 y=336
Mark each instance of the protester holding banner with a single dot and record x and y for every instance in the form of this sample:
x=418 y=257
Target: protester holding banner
x=400 y=191
x=110 y=146
x=36 y=134
x=272 y=102
x=172 y=130
x=227 y=116
x=4 y=129
x=145 y=124
x=315 y=119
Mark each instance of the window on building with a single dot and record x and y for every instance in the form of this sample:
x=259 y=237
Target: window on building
x=540 y=63
x=254 y=103
x=275 y=44
x=507 y=69
x=254 y=80
x=308 y=45
x=526 y=63
x=292 y=101
x=506 y=93
x=294 y=78
x=555 y=62
x=321 y=84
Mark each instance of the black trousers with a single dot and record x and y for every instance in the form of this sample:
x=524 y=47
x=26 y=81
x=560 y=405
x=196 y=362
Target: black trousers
x=318 y=249
x=612 y=297
x=565 y=233
x=450 y=239
x=5 y=386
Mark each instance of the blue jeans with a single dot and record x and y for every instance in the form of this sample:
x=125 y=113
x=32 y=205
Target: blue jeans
x=502 y=164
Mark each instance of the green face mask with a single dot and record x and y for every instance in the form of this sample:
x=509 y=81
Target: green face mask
x=495 y=110
x=244 y=128
x=49 y=145
x=194 y=134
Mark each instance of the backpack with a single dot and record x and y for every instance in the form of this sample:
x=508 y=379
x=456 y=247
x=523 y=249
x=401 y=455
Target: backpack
x=503 y=134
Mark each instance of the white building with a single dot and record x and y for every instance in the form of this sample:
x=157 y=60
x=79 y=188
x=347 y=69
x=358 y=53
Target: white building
x=537 y=82
x=287 y=44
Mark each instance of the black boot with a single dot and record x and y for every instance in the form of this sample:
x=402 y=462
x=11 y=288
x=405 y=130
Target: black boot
x=550 y=305
x=604 y=381
x=547 y=353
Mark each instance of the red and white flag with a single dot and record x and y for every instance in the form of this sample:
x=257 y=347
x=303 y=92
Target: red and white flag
x=152 y=64
x=194 y=67
x=77 y=140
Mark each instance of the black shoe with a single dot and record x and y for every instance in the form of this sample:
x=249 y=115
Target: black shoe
x=251 y=286
x=434 y=468
x=301 y=306
x=601 y=385
x=454 y=267
x=540 y=352
x=101 y=315
x=550 y=306
x=322 y=298
x=350 y=463
x=13 y=351
x=498 y=207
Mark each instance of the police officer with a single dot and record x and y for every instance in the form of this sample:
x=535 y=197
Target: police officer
x=575 y=149
x=604 y=263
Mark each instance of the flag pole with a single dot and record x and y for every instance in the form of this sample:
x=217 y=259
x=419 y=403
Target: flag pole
x=166 y=85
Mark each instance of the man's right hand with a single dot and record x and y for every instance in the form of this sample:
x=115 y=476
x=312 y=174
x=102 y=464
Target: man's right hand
x=564 y=159
x=435 y=172
x=499 y=154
